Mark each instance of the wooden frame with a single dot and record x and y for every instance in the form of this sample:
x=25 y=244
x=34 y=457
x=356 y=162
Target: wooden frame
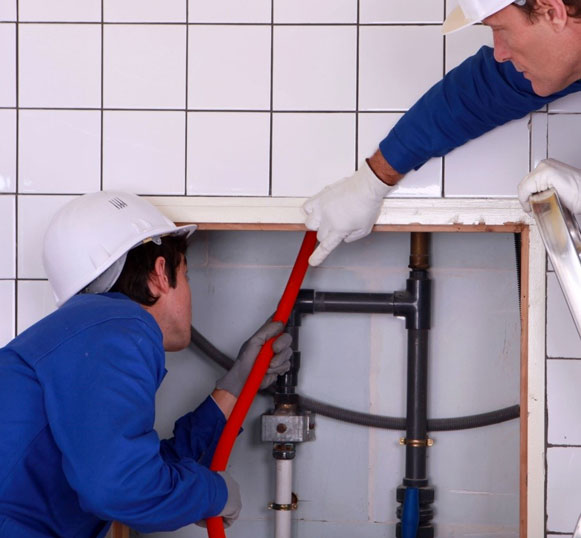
x=431 y=215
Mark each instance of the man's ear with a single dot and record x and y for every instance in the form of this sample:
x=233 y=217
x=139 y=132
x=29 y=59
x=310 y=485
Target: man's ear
x=553 y=11
x=158 y=281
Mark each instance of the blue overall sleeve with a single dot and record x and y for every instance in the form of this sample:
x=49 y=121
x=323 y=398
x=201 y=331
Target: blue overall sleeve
x=470 y=100
x=196 y=434
x=100 y=401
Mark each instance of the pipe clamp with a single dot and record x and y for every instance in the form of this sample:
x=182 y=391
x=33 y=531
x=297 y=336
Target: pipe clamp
x=285 y=507
x=416 y=442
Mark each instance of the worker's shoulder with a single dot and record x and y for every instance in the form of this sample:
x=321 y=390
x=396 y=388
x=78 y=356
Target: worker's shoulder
x=102 y=315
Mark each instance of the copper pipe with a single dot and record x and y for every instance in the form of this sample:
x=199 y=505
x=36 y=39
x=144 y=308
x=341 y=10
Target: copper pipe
x=420 y=250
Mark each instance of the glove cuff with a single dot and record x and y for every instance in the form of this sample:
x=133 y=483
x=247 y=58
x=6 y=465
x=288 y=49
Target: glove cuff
x=378 y=188
x=228 y=384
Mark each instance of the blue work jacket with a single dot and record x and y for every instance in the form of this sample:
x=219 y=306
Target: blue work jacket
x=475 y=97
x=77 y=444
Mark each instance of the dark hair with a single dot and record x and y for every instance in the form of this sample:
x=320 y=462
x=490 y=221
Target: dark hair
x=140 y=263
x=573 y=8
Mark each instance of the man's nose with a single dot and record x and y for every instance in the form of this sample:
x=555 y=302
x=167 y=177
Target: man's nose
x=501 y=51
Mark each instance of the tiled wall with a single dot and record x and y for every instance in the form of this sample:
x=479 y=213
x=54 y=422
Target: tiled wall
x=230 y=98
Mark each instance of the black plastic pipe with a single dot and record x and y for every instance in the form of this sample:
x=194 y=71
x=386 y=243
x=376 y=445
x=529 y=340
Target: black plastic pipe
x=415 y=305
x=311 y=302
x=200 y=342
x=417 y=407
x=286 y=384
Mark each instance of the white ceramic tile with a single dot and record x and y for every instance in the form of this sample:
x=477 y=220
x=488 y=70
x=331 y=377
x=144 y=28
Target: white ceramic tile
x=144 y=152
x=563 y=135
x=539 y=125
x=314 y=68
x=570 y=103
x=386 y=54
x=8 y=227
x=491 y=165
x=309 y=151
x=8 y=151
x=378 y=11
x=562 y=337
x=229 y=67
x=229 y=11
x=8 y=10
x=234 y=165
x=564 y=402
x=35 y=301
x=427 y=181
x=60 y=65
x=59 y=151
x=8 y=65
x=34 y=215
x=563 y=493
x=6 y=311
x=59 y=10
x=461 y=45
x=140 y=11
x=144 y=66
x=315 y=11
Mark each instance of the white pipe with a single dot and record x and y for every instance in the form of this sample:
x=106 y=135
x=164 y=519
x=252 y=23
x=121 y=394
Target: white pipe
x=284 y=484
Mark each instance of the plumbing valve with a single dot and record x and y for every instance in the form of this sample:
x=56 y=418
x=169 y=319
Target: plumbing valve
x=287 y=428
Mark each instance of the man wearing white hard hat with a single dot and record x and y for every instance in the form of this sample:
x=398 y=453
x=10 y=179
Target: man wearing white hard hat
x=77 y=389
x=536 y=59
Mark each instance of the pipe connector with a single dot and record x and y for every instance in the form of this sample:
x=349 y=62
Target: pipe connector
x=414 y=304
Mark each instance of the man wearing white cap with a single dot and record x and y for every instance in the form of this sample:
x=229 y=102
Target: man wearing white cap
x=77 y=389
x=536 y=59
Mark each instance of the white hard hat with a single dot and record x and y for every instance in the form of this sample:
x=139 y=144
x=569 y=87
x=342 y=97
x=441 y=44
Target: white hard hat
x=86 y=242
x=471 y=11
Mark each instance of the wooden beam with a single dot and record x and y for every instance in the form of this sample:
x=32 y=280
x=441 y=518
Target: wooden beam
x=524 y=387
x=509 y=227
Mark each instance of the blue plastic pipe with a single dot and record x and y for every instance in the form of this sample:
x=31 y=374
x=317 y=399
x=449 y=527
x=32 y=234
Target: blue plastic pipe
x=410 y=518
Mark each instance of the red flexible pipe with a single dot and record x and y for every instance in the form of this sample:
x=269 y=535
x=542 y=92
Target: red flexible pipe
x=232 y=427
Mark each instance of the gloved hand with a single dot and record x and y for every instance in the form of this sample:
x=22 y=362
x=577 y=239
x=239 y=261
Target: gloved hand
x=233 y=505
x=234 y=379
x=565 y=179
x=344 y=211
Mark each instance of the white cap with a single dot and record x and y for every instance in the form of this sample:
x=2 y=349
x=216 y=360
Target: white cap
x=469 y=12
x=86 y=242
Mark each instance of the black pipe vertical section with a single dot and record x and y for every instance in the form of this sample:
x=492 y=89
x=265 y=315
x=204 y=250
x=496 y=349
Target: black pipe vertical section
x=286 y=399
x=415 y=305
x=417 y=407
x=286 y=384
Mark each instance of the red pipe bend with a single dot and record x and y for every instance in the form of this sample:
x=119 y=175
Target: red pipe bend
x=234 y=423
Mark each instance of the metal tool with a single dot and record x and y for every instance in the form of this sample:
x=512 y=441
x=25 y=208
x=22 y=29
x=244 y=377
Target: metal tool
x=562 y=238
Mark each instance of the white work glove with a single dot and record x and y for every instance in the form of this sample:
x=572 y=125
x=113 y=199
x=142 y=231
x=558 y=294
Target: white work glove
x=551 y=173
x=233 y=505
x=345 y=210
x=235 y=378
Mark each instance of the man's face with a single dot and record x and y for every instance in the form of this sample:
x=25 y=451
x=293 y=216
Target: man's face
x=544 y=55
x=177 y=335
